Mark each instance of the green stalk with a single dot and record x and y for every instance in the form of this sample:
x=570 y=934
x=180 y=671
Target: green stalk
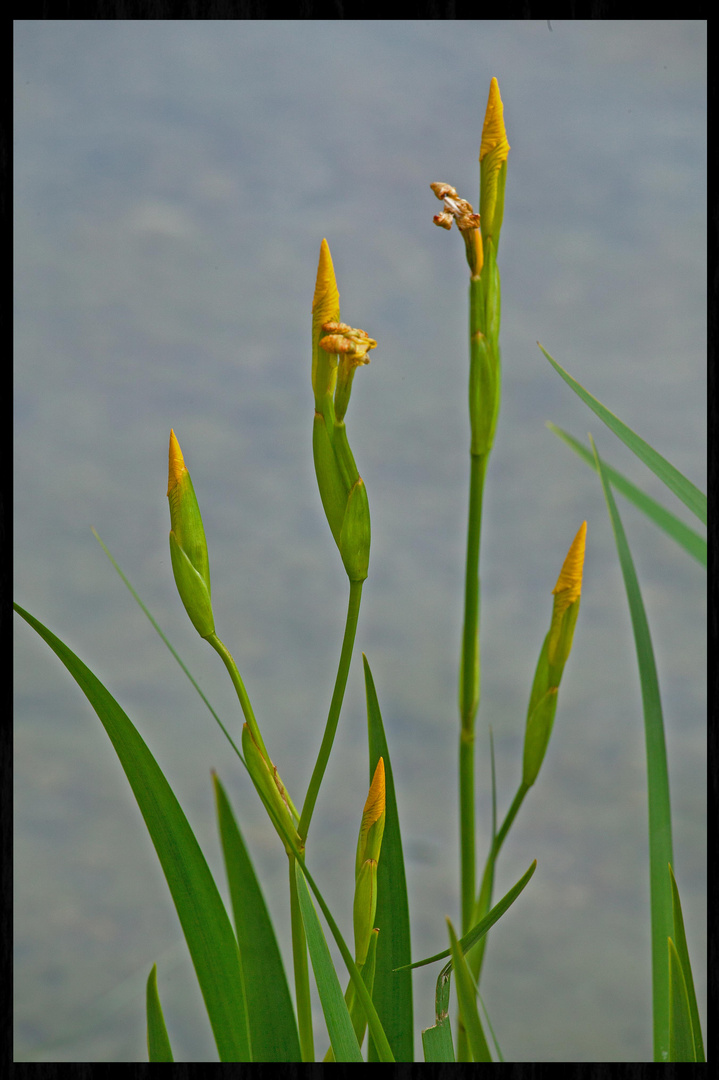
x=353 y=608
x=239 y=686
x=470 y=688
x=484 y=900
x=302 y=975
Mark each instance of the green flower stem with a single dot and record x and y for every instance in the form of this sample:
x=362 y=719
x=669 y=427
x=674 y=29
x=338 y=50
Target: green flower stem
x=470 y=688
x=484 y=900
x=335 y=707
x=245 y=703
x=475 y=956
x=302 y=976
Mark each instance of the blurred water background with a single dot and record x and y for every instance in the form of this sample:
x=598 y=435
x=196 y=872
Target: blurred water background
x=173 y=183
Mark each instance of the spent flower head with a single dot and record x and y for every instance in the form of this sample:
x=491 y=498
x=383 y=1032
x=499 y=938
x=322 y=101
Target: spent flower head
x=460 y=211
x=351 y=346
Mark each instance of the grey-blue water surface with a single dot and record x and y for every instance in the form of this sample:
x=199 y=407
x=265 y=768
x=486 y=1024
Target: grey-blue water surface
x=173 y=183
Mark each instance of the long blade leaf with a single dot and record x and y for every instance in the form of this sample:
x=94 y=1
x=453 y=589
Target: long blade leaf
x=689 y=494
x=473 y=936
x=339 y=1023
x=204 y=921
x=691 y=541
x=269 y=1005
x=660 y=821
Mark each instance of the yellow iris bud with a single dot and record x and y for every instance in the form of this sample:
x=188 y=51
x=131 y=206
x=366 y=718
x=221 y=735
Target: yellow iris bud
x=493 y=153
x=553 y=657
x=342 y=490
x=188 y=546
x=369 y=844
x=373 y=819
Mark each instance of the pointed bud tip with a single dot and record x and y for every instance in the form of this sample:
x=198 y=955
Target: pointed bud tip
x=374 y=807
x=326 y=298
x=494 y=133
x=570 y=577
x=177 y=463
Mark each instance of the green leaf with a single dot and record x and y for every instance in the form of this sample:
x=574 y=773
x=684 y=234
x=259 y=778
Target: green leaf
x=690 y=495
x=467 y=998
x=660 y=821
x=204 y=921
x=680 y=943
x=272 y=1019
x=339 y=1023
x=392 y=994
x=681 y=1037
x=473 y=936
x=691 y=541
x=158 y=1042
x=437 y=1041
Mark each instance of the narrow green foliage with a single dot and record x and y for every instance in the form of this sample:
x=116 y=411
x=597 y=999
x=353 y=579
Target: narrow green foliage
x=470 y=939
x=682 y=952
x=273 y=1025
x=690 y=495
x=158 y=1041
x=660 y=822
x=204 y=921
x=339 y=1023
x=690 y=540
x=681 y=1037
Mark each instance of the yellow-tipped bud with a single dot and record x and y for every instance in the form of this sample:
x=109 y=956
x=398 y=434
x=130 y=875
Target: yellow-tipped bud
x=553 y=657
x=369 y=842
x=188 y=546
x=493 y=166
x=342 y=490
x=268 y=783
x=567 y=593
x=325 y=309
x=368 y=849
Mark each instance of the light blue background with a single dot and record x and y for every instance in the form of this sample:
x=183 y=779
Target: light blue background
x=173 y=183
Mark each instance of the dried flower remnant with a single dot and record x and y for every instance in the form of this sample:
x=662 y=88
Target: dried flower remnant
x=462 y=212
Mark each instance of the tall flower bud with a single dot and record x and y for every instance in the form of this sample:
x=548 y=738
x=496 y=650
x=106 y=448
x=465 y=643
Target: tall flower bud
x=555 y=652
x=188 y=546
x=368 y=851
x=493 y=153
x=342 y=490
